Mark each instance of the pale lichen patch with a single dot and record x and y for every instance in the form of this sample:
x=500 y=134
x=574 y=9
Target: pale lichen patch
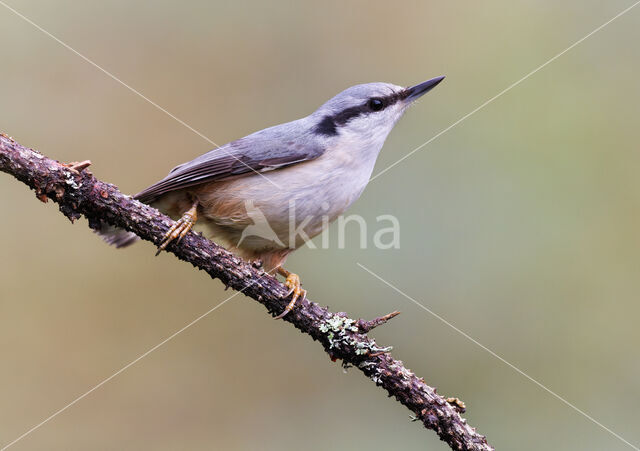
x=340 y=334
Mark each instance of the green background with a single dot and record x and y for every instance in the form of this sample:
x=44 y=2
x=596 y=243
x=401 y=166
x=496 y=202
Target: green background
x=519 y=225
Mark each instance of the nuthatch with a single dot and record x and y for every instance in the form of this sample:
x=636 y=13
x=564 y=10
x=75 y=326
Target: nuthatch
x=320 y=164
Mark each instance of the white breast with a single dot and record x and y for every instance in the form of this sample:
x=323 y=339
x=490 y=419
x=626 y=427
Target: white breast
x=314 y=192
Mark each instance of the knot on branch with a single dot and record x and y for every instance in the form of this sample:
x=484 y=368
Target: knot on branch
x=365 y=326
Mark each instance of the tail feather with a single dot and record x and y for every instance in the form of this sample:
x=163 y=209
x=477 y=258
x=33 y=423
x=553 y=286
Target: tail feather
x=115 y=236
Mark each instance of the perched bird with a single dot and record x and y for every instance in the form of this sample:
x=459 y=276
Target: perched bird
x=318 y=165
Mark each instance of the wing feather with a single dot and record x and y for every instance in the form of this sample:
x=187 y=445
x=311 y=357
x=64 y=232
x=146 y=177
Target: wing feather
x=262 y=151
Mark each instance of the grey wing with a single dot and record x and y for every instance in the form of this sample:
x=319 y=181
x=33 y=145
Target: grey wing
x=265 y=150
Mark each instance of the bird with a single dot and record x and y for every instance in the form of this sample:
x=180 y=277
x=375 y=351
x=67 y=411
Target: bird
x=242 y=193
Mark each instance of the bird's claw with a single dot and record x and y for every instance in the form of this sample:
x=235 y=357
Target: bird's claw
x=178 y=230
x=295 y=289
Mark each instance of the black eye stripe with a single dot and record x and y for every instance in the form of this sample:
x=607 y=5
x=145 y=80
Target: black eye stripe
x=347 y=114
x=329 y=124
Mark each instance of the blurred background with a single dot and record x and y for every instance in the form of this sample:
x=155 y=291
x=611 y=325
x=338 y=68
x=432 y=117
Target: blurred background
x=519 y=225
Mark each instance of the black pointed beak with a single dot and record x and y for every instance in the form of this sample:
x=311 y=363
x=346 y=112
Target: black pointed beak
x=416 y=91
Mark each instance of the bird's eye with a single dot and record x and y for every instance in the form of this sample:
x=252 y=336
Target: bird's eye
x=375 y=104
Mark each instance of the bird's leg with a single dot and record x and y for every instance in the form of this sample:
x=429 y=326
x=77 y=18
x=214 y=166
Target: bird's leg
x=295 y=288
x=181 y=227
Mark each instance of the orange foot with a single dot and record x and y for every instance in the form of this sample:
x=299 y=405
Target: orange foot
x=295 y=288
x=180 y=228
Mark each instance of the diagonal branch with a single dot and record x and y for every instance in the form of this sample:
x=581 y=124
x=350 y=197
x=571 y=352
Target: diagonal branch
x=79 y=193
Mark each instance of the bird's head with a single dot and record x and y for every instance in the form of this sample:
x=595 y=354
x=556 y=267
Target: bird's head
x=368 y=110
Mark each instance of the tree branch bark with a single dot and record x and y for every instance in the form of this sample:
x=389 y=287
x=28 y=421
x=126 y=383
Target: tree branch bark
x=79 y=193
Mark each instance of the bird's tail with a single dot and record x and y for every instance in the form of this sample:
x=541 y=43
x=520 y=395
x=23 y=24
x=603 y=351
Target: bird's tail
x=115 y=236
